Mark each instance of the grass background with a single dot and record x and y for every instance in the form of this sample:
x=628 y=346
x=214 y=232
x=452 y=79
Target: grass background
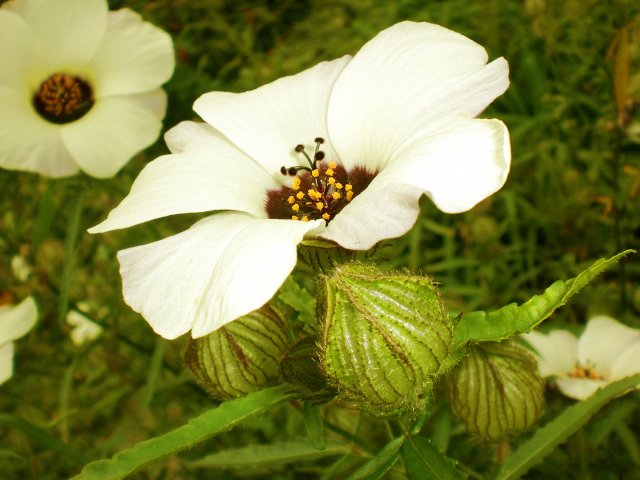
x=571 y=197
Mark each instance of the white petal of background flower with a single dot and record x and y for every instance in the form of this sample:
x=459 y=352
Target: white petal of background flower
x=602 y=342
x=223 y=267
x=16 y=321
x=6 y=361
x=458 y=166
x=557 y=351
x=627 y=362
x=223 y=178
x=69 y=31
x=381 y=211
x=409 y=77
x=27 y=142
x=267 y=123
x=106 y=138
x=16 y=49
x=579 y=388
x=134 y=56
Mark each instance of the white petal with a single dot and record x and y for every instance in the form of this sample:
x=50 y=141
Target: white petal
x=134 y=56
x=267 y=123
x=602 y=342
x=28 y=142
x=69 y=31
x=84 y=329
x=221 y=178
x=410 y=76
x=628 y=361
x=16 y=321
x=381 y=211
x=6 y=362
x=16 y=50
x=579 y=388
x=456 y=167
x=114 y=130
x=557 y=351
x=223 y=267
x=190 y=136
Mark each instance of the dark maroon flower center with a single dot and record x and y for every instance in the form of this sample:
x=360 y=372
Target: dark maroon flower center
x=63 y=98
x=318 y=191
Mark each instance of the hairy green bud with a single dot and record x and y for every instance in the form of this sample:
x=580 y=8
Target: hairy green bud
x=496 y=391
x=300 y=365
x=241 y=357
x=385 y=337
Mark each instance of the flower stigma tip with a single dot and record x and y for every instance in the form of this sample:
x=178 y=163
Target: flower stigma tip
x=63 y=98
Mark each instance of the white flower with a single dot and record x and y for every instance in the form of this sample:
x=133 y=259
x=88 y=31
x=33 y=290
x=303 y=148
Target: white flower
x=79 y=86
x=83 y=328
x=605 y=352
x=21 y=268
x=15 y=322
x=382 y=128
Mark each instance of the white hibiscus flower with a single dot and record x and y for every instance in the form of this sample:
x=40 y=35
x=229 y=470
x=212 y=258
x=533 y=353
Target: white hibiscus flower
x=79 y=86
x=605 y=352
x=342 y=151
x=15 y=322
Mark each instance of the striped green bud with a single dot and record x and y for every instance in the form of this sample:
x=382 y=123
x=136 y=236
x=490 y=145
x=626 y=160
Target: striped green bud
x=300 y=365
x=496 y=391
x=241 y=357
x=386 y=337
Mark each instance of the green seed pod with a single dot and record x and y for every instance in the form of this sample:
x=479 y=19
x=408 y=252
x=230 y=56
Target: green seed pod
x=497 y=391
x=386 y=337
x=241 y=357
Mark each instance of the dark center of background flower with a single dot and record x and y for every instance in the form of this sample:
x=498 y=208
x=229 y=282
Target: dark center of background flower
x=318 y=191
x=588 y=373
x=63 y=98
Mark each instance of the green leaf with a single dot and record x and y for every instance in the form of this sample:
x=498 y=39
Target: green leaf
x=300 y=299
x=422 y=460
x=314 y=425
x=511 y=319
x=381 y=462
x=559 y=429
x=267 y=455
x=198 y=429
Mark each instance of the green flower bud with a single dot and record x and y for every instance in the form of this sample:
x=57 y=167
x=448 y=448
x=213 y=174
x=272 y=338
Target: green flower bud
x=386 y=337
x=496 y=390
x=300 y=365
x=241 y=357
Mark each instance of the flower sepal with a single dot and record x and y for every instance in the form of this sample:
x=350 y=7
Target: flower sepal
x=497 y=391
x=385 y=340
x=241 y=357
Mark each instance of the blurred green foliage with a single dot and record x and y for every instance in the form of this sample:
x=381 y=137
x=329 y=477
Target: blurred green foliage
x=571 y=197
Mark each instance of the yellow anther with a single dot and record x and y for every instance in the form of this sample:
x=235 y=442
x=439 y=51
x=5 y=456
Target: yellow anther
x=336 y=195
x=296 y=183
x=339 y=186
x=328 y=172
x=348 y=187
x=349 y=195
x=331 y=180
x=319 y=205
x=295 y=207
x=305 y=219
x=291 y=199
x=293 y=217
x=333 y=164
x=314 y=194
x=315 y=172
x=326 y=216
x=299 y=196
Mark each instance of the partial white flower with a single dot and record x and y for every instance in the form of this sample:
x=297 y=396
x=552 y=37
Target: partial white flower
x=342 y=151
x=605 y=352
x=79 y=86
x=15 y=322
x=83 y=328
